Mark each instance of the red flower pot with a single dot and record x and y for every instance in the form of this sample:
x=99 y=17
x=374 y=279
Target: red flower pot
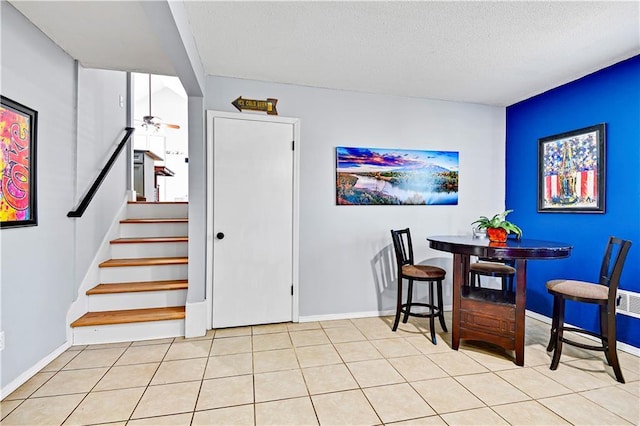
x=497 y=235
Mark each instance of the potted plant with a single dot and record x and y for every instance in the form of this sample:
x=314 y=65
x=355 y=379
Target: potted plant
x=498 y=227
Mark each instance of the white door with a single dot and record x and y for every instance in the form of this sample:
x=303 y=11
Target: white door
x=252 y=221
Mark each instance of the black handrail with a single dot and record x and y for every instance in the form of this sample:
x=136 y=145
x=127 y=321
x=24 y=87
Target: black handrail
x=103 y=173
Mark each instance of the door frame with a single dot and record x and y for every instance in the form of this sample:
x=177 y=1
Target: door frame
x=295 y=244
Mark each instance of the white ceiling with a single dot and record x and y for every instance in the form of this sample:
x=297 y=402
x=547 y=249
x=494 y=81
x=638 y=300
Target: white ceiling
x=487 y=52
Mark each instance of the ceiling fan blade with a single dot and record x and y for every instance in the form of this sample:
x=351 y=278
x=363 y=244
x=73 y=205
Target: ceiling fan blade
x=171 y=126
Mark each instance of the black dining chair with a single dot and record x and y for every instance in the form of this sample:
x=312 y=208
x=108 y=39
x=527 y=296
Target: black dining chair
x=407 y=270
x=498 y=268
x=602 y=293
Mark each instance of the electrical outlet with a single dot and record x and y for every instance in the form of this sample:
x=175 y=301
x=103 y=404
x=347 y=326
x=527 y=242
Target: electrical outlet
x=1 y=340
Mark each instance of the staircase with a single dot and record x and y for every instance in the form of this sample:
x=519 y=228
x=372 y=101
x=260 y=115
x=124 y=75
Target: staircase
x=143 y=287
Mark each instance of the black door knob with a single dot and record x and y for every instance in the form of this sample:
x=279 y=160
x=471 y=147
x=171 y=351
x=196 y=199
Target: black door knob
x=219 y=235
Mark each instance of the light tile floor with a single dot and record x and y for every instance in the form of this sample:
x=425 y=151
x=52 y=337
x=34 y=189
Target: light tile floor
x=329 y=373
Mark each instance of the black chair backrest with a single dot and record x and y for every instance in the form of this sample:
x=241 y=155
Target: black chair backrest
x=403 y=247
x=617 y=250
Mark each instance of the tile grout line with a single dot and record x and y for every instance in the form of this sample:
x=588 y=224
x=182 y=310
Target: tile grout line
x=395 y=369
x=150 y=380
x=98 y=381
x=306 y=384
x=342 y=363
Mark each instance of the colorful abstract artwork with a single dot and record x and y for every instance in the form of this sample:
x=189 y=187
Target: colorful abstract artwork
x=571 y=173
x=375 y=176
x=18 y=129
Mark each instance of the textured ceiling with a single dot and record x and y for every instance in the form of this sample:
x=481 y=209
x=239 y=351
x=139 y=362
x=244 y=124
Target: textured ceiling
x=495 y=53
x=107 y=35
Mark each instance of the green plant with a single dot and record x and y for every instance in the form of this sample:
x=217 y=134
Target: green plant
x=499 y=221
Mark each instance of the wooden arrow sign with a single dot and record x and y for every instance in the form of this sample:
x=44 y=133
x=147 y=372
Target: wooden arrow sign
x=268 y=106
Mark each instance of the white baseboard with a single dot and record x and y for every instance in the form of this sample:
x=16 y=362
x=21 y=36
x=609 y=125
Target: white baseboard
x=330 y=317
x=538 y=316
x=352 y=315
x=621 y=345
x=21 y=379
x=195 y=323
x=127 y=332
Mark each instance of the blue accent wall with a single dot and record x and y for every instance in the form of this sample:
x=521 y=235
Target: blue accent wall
x=611 y=96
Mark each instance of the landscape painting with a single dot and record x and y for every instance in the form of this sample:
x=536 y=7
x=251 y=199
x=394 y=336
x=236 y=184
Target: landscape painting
x=376 y=176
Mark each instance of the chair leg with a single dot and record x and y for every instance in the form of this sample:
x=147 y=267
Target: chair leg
x=554 y=325
x=398 y=304
x=441 y=307
x=604 y=332
x=608 y=331
x=432 y=326
x=409 y=300
x=559 y=329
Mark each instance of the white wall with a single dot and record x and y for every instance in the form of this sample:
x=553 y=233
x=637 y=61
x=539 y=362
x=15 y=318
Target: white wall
x=41 y=266
x=176 y=187
x=345 y=251
x=37 y=272
x=101 y=122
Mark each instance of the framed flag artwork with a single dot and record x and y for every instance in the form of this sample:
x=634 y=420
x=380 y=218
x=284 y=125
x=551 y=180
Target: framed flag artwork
x=571 y=171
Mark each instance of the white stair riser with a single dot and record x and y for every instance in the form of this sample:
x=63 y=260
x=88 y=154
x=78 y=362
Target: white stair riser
x=137 y=300
x=158 y=211
x=142 y=230
x=127 y=332
x=138 y=250
x=123 y=274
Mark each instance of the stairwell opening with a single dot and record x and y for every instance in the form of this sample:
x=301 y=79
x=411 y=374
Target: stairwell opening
x=161 y=159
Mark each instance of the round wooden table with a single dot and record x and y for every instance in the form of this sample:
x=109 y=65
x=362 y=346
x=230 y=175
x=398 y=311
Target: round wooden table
x=487 y=314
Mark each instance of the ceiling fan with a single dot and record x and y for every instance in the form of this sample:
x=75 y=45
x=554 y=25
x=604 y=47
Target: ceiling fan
x=151 y=121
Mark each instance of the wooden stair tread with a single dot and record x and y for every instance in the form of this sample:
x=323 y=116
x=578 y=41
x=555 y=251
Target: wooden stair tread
x=150 y=240
x=157 y=220
x=139 y=286
x=129 y=316
x=145 y=261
